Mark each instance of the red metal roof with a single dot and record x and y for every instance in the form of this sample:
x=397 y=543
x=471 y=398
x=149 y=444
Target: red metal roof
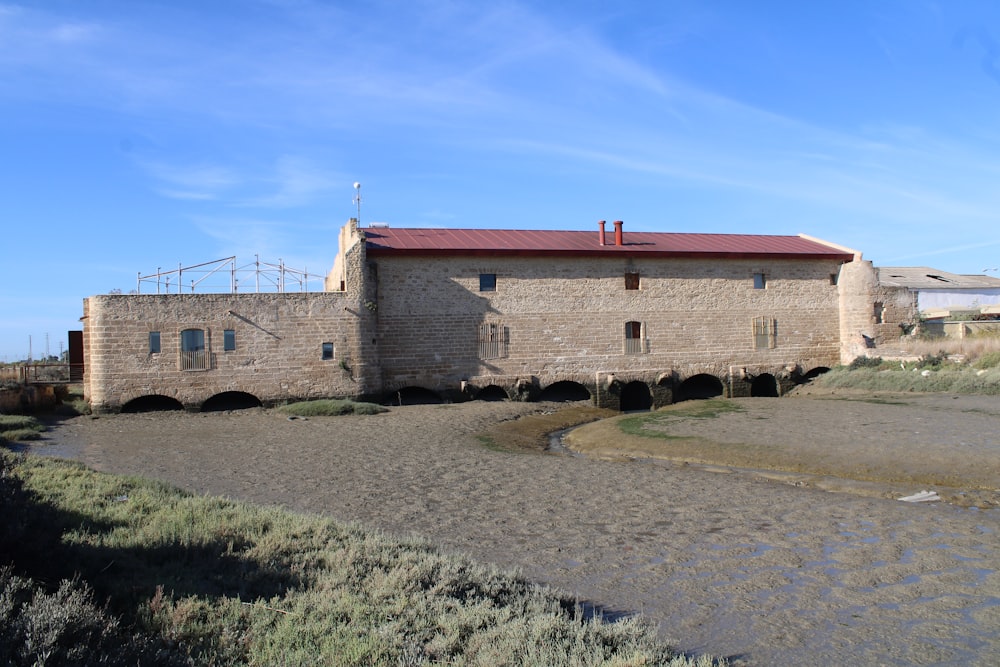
x=416 y=241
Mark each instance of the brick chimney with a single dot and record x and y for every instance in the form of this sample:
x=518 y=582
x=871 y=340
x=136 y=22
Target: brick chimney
x=600 y=223
x=618 y=232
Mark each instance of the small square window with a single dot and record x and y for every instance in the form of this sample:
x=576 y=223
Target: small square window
x=487 y=282
x=229 y=340
x=631 y=281
x=154 y=342
x=759 y=281
x=327 y=351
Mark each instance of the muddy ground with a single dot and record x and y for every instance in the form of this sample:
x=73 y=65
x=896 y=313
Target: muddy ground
x=760 y=566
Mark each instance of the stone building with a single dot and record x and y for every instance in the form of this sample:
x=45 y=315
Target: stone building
x=912 y=299
x=627 y=319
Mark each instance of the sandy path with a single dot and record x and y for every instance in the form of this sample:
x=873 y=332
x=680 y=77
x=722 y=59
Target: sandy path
x=733 y=564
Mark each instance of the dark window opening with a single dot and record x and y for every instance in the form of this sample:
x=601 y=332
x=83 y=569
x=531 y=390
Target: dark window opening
x=327 y=351
x=487 y=282
x=154 y=342
x=494 y=339
x=633 y=338
x=631 y=281
x=759 y=281
x=879 y=312
x=833 y=278
x=229 y=340
x=194 y=356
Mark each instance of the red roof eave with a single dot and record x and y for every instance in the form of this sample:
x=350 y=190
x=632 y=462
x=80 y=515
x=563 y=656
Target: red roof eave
x=607 y=251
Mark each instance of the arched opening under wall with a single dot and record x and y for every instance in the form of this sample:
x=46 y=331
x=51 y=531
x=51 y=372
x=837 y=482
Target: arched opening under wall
x=152 y=403
x=492 y=393
x=765 y=385
x=636 y=396
x=412 y=396
x=815 y=373
x=699 y=387
x=231 y=400
x=564 y=391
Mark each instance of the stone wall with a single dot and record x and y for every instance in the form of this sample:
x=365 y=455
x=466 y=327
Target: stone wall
x=566 y=319
x=278 y=351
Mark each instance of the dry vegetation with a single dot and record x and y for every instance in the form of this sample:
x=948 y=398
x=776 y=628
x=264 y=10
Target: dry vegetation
x=205 y=581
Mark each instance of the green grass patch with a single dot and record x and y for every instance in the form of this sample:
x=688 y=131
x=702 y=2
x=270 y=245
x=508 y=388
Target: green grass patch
x=13 y=422
x=651 y=425
x=19 y=428
x=21 y=435
x=209 y=581
x=330 y=408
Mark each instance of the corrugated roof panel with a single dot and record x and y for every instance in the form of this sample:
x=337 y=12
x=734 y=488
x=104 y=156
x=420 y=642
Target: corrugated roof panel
x=924 y=277
x=384 y=240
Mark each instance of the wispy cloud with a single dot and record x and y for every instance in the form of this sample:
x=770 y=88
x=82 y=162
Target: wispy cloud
x=195 y=182
x=296 y=181
x=290 y=182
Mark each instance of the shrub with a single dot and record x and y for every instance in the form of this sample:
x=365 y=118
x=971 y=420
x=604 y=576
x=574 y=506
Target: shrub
x=933 y=361
x=65 y=627
x=988 y=360
x=866 y=362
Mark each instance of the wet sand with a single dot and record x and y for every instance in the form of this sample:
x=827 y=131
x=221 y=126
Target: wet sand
x=759 y=568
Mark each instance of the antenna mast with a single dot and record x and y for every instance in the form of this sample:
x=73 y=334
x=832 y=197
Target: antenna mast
x=357 y=200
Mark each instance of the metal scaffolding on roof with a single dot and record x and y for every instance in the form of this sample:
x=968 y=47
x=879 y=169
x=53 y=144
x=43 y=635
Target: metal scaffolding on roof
x=225 y=276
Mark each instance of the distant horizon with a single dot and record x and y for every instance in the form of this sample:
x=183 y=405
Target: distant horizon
x=146 y=135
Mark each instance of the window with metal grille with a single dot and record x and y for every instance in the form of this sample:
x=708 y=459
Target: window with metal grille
x=631 y=281
x=634 y=340
x=327 y=351
x=765 y=333
x=194 y=354
x=493 y=340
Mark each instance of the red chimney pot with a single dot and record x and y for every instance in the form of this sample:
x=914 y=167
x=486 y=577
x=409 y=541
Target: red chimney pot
x=618 y=232
x=600 y=223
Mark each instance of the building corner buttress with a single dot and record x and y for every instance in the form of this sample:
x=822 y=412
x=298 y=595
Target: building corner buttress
x=856 y=283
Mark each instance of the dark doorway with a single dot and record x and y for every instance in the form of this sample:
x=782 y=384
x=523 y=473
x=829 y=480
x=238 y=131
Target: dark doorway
x=699 y=387
x=152 y=403
x=814 y=373
x=765 y=385
x=565 y=391
x=492 y=393
x=412 y=396
x=230 y=400
x=636 y=396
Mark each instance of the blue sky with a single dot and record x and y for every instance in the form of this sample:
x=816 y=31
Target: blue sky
x=143 y=135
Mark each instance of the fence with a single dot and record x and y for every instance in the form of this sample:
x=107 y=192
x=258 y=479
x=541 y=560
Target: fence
x=43 y=373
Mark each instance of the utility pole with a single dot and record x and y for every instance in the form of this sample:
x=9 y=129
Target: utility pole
x=357 y=200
